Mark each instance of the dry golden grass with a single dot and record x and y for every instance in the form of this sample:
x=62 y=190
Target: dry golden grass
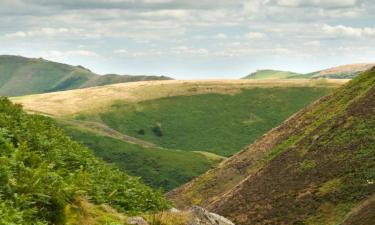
x=66 y=103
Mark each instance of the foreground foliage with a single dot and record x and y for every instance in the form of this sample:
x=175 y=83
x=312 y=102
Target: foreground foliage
x=42 y=172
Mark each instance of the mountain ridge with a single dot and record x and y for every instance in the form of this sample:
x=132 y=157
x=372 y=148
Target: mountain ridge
x=21 y=75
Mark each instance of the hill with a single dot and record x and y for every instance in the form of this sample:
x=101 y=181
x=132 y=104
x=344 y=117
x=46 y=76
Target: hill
x=340 y=72
x=169 y=132
x=22 y=76
x=46 y=178
x=271 y=74
x=315 y=168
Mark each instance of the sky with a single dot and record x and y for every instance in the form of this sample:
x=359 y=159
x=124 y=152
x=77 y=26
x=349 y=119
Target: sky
x=191 y=39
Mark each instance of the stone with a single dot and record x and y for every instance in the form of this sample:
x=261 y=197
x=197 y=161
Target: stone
x=203 y=217
x=137 y=221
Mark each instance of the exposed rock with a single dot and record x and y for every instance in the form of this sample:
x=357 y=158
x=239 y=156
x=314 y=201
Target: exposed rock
x=204 y=217
x=174 y=210
x=137 y=221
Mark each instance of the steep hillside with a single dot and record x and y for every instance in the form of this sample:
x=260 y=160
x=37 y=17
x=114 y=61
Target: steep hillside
x=315 y=168
x=21 y=76
x=46 y=178
x=340 y=72
x=345 y=71
x=168 y=121
x=271 y=74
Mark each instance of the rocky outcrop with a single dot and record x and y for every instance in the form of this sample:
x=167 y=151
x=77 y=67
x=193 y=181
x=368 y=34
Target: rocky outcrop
x=197 y=216
x=200 y=216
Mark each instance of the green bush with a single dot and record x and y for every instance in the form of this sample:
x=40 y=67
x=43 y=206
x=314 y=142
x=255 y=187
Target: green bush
x=42 y=171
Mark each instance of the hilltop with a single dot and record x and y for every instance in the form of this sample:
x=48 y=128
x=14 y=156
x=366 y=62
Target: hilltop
x=22 y=76
x=271 y=74
x=315 y=168
x=169 y=132
x=340 y=72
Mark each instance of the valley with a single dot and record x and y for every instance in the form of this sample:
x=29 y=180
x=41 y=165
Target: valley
x=168 y=132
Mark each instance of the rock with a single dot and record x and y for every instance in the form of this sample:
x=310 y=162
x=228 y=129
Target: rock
x=204 y=217
x=137 y=221
x=174 y=210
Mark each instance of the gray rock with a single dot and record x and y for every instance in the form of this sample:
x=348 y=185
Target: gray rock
x=137 y=221
x=204 y=217
x=174 y=210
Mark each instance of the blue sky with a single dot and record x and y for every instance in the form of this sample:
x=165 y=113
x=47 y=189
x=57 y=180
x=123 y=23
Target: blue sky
x=191 y=39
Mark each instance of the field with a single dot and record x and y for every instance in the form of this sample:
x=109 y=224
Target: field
x=175 y=129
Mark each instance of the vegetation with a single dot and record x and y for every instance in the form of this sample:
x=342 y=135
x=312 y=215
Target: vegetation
x=319 y=162
x=21 y=76
x=217 y=123
x=271 y=74
x=339 y=72
x=157 y=167
x=43 y=173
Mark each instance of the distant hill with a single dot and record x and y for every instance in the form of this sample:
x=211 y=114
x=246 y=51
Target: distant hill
x=316 y=168
x=271 y=74
x=23 y=76
x=339 y=72
x=169 y=132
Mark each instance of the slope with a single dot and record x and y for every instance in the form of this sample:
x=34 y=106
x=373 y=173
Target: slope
x=185 y=118
x=45 y=176
x=21 y=76
x=271 y=74
x=340 y=72
x=315 y=168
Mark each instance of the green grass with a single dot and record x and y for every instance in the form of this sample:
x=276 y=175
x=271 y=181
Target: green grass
x=22 y=76
x=271 y=74
x=157 y=167
x=217 y=123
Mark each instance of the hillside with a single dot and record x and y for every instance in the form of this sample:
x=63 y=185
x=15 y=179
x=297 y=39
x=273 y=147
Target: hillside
x=315 y=168
x=271 y=74
x=46 y=178
x=22 y=76
x=340 y=72
x=169 y=132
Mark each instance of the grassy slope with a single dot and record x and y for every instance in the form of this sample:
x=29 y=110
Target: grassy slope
x=217 y=123
x=44 y=175
x=313 y=169
x=20 y=76
x=340 y=72
x=271 y=74
x=165 y=168
x=227 y=113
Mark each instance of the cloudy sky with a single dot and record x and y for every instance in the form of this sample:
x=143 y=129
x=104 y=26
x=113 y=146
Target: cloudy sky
x=189 y=39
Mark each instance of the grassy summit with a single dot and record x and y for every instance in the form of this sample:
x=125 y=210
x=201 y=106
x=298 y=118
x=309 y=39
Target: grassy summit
x=21 y=76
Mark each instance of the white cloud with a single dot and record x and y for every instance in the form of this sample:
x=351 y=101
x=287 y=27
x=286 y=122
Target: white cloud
x=61 y=55
x=319 y=3
x=221 y=36
x=254 y=35
x=346 y=31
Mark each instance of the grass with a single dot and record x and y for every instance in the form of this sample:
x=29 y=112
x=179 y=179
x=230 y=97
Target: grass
x=21 y=76
x=271 y=74
x=158 y=167
x=217 y=123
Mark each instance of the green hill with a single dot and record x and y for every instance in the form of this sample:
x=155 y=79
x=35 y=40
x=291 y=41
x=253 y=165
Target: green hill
x=340 y=72
x=46 y=178
x=315 y=168
x=271 y=74
x=22 y=76
x=178 y=129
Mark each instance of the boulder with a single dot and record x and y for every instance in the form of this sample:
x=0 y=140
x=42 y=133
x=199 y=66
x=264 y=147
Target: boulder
x=200 y=216
x=136 y=221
